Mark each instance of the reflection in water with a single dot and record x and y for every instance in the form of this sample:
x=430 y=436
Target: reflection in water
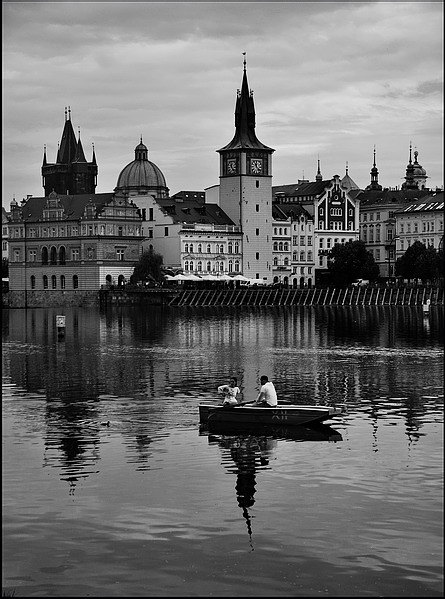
x=250 y=449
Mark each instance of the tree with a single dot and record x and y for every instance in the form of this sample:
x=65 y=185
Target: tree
x=350 y=261
x=148 y=268
x=5 y=268
x=420 y=262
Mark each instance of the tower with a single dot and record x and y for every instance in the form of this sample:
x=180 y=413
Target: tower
x=71 y=173
x=374 y=177
x=245 y=190
x=410 y=181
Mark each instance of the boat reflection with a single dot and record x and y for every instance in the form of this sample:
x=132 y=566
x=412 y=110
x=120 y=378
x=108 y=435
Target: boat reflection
x=245 y=451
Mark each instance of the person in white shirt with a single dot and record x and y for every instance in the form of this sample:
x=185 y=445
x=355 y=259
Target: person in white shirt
x=267 y=396
x=230 y=392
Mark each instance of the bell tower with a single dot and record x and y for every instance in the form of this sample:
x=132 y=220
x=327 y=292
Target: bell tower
x=245 y=189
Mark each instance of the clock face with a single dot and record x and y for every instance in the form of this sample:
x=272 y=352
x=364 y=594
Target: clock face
x=231 y=166
x=256 y=165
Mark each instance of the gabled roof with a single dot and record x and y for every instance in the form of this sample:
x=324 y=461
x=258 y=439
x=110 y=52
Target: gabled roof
x=292 y=210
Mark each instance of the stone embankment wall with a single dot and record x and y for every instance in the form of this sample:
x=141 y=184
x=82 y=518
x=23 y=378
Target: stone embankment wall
x=356 y=296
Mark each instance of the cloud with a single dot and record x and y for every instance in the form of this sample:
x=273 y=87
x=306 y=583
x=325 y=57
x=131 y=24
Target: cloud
x=328 y=78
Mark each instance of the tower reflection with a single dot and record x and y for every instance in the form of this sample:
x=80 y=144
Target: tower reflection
x=246 y=451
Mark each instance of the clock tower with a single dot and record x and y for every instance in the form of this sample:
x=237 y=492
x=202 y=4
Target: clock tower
x=245 y=189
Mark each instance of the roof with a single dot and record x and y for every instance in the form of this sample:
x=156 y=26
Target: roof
x=370 y=197
x=288 y=210
x=74 y=205
x=194 y=211
x=432 y=203
x=313 y=188
x=245 y=137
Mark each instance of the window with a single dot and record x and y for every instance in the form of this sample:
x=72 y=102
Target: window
x=275 y=246
x=295 y=240
x=257 y=255
x=186 y=248
x=236 y=247
x=309 y=256
x=377 y=216
x=16 y=256
x=150 y=214
x=257 y=207
x=309 y=240
x=62 y=255
x=301 y=256
x=328 y=242
x=75 y=254
x=120 y=231
x=53 y=255
x=230 y=265
x=285 y=246
x=62 y=282
x=165 y=231
x=209 y=266
x=75 y=282
x=286 y=262
x=257 y=232
x=53 y=282
x=302 y=240
x=257 y=183
x=120 y=254
x=45 y=282
x=275 y=261
x=191 y=248
x=209 y=248
x=199 y=248
x=32 y=255
x=321 y=243
x=150 y=233
x=221 y=249
x=33 y=282
x=199 y=266
x=280 y=246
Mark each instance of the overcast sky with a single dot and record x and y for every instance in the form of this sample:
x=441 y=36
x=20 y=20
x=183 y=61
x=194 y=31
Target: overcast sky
x=330 y=80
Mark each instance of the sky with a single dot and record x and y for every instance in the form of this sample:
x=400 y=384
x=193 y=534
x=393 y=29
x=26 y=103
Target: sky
x=331 y=81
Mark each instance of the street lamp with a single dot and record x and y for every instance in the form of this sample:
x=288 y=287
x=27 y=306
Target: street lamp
x=391 y=245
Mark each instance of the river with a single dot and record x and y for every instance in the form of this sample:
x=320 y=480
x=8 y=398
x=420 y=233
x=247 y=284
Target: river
x=112 y=489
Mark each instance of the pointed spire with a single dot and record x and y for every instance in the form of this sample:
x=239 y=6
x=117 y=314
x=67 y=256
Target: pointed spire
x=80 y=156
x=44 y=156
x=68 y=144
x=245 y=136
x=374 y=176
x=347 y=174
x=318 y=176
x=93 y=159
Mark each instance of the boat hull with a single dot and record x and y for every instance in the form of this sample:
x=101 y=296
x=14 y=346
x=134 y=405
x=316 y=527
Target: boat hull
x=289 y=415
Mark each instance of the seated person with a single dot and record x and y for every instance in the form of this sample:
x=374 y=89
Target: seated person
x=267 y=396
x=230 y=392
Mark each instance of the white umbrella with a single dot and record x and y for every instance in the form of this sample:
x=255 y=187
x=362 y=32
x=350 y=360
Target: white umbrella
x=240 y=278
x=209 y=277
x=180 y=278
x=225 y=278
x=193 y=278
x=170 y=277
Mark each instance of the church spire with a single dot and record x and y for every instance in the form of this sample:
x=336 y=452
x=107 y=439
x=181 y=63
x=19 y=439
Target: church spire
x=410 y=182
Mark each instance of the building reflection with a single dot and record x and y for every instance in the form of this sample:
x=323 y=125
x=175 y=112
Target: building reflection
x=245 y=452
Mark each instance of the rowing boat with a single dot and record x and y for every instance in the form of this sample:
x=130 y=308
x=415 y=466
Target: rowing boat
x=288 y=415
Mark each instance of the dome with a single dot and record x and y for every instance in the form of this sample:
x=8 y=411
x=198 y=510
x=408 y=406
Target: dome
x=141 y=175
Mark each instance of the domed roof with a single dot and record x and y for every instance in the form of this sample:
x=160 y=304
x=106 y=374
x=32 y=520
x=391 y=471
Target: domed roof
x=142 y=175
x=418 y=169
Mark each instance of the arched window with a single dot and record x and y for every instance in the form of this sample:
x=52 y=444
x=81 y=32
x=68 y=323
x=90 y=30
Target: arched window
x=275 y=261
x=280 y=246
x=309 y=256
x=75 y=282
x=62 y=281
x=33 y=282
x=186 y=248
x=186 y=265
x=221 y=266
x=286 y=262
x=286 y=246
x=44 y=255
x=221 y=249
x=199 y=248
x=301 y=256
x=209 y=266
x=230 y=265
x=237 y=268
x=53 y=255
x=275 y=246
x=62 y=255
x=230 y=248
x=54 y=282
x=209 y=248
x=236 y=247
x=199 y=266
x=45 y=282
x=191 y=248
x=294 y=257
